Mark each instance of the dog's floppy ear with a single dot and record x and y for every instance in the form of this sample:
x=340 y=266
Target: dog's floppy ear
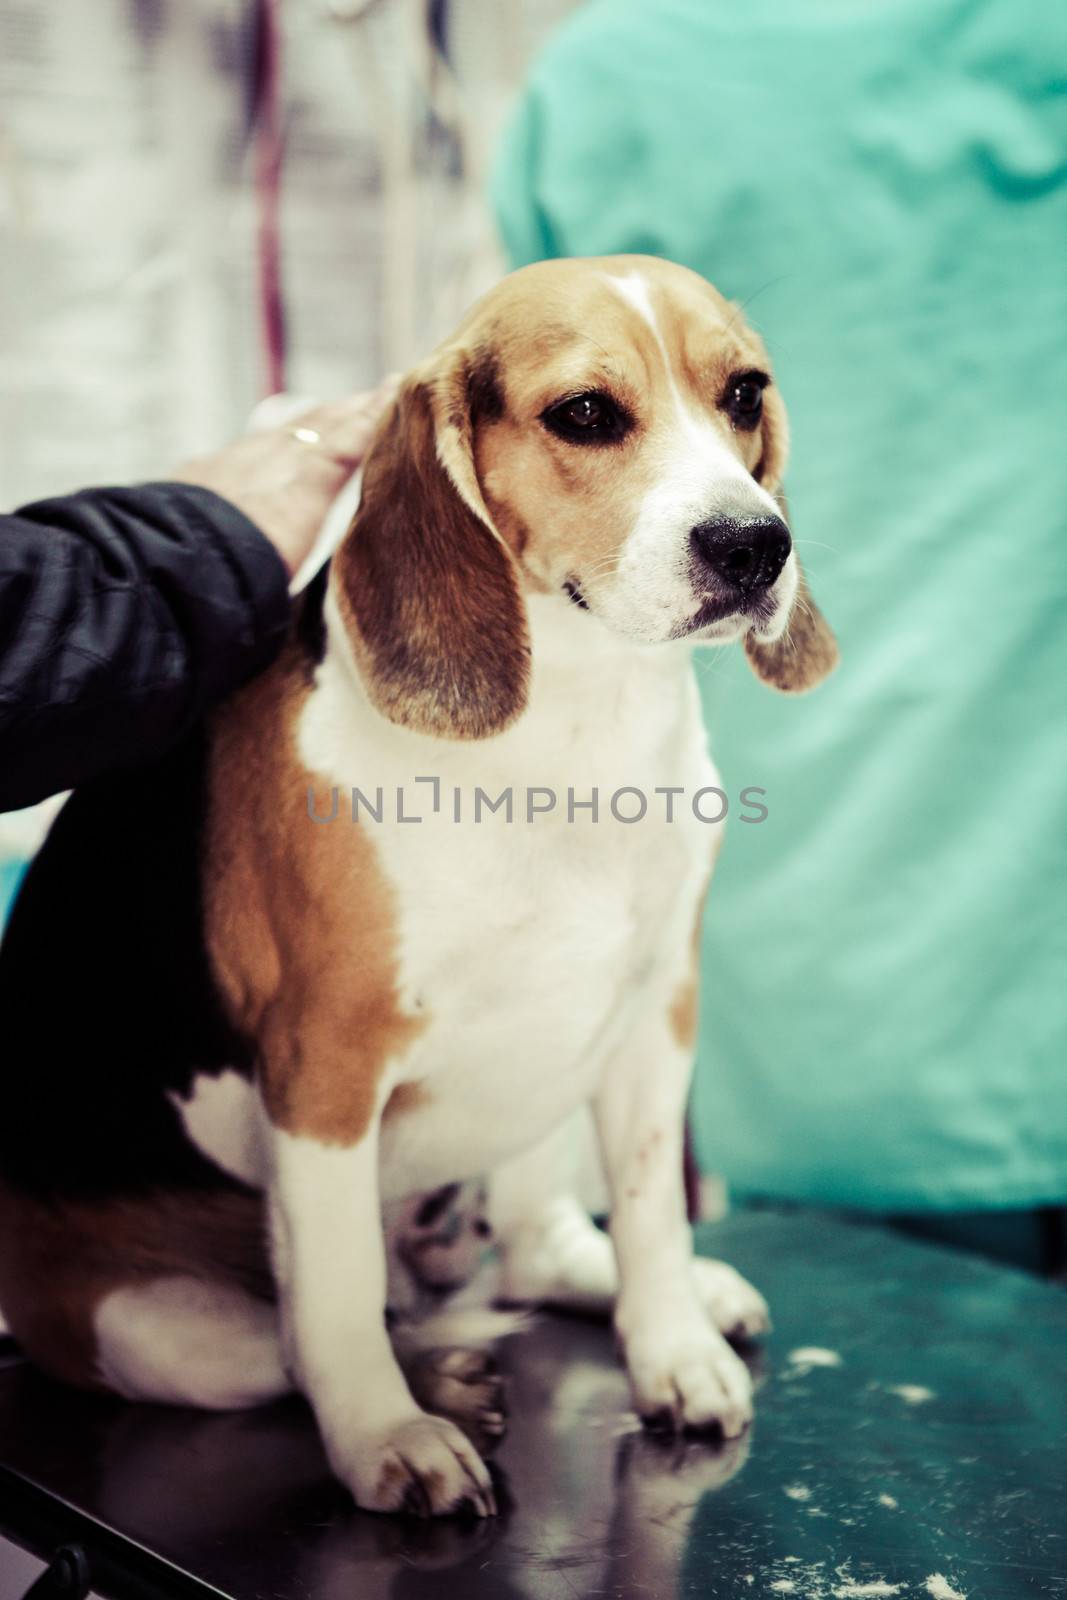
x=804 y=655
x=806 y=652
x=426 y=587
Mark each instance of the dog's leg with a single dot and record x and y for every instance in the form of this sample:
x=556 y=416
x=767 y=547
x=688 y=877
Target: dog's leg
x=682 y=1371
x=458 y=1381
x=331 y=1267
x=187 y=1341
x=552 y=1252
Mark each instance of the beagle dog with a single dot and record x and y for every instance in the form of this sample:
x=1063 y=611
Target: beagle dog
x=277 y=999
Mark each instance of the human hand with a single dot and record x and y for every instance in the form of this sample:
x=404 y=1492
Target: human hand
x=285 y=479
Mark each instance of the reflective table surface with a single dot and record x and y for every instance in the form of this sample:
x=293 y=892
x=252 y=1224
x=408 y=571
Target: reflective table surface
x=910 y=1440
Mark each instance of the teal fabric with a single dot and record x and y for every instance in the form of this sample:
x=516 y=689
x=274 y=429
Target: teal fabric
x=11 y=875
x=883 y=183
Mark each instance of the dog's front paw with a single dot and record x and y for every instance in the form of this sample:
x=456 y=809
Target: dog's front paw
x=686 y=1376
x=421 y=1465
x=465 y=1385
x=737 y=1309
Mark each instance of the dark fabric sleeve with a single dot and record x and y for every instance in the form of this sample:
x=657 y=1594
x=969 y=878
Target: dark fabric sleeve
x=124 y=614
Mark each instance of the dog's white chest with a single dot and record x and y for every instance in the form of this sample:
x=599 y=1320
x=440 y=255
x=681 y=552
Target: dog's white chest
x=525 y=932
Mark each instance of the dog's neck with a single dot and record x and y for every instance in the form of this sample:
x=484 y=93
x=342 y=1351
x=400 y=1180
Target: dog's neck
x=569 y=643
x=602 y=712
x=578 y=665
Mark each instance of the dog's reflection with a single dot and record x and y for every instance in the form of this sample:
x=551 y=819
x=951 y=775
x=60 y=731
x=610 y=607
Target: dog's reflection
x=658 y=1485
x=623 y=1535
x=590 y=1501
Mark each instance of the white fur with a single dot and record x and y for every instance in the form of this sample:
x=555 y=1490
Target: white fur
x=223 y=1116
x=329 y=1260
x=551 y=1252
x=497 y=916
x=186 y=1342
x=650 y=593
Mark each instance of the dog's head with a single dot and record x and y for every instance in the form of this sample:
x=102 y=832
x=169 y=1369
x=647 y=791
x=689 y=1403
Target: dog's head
x=606 y=431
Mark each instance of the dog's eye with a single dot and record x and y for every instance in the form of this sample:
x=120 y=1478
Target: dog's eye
x=587 y=419
x=744 y=398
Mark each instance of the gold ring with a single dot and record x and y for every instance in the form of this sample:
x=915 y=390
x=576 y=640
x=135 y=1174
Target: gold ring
x=305 y=435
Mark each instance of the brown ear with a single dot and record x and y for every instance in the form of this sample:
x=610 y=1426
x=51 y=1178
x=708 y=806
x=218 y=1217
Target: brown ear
x=805 y=654
x=425 y=585
x=807 y=651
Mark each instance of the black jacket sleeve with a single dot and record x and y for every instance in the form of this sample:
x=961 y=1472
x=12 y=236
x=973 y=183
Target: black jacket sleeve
x=124 y=614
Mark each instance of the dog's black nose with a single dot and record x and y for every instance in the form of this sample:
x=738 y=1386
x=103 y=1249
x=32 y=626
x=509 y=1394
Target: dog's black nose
x=746 y=552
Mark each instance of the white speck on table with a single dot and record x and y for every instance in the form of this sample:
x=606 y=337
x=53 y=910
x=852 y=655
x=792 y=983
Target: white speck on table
x=811 y=1355
x=913 y=1394
x=938 y=1586
x=850 y=1590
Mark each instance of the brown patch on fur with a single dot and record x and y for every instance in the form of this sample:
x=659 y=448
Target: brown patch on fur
x=401 y=1488
x=427 y=589
x=485 y=391
x=392 y=1483
x=772 y=440
x=301 y=921
x=514 y=532
x=805 y=654
x=406 y=1097
x=59 y=1259
x=683 y=1013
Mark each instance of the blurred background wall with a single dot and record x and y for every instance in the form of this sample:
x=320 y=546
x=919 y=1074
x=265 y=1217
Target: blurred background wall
x=162 y=160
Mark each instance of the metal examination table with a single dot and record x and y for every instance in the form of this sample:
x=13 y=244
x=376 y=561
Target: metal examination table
x=910 y=1441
